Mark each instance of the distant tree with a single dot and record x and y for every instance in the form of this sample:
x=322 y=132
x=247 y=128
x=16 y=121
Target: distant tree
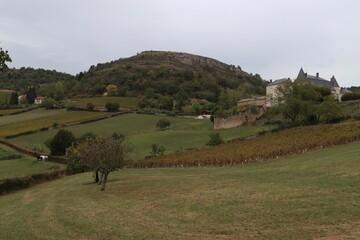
x=215 y=139
x=62 y=140
x=4 y=57
x=163 y=123
x=112 y=90
x=31 y=95
x=103 y=155
x=112 y=107
x=166 y=103
x=14 y=99
x=90 y=107
x=157 y=150
x=350 y=96
x=49 y=103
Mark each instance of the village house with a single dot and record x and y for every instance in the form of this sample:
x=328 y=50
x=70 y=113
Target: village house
x=39 y=100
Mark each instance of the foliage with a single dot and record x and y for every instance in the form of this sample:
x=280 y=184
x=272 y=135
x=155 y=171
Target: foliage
x=62 y=140
x=350 y=96
x=163 y=123
x=112 y=90
x=90 y=107
x=112 y=107
x=31 y=95
x=286 y=142
x=4 y=57
x=100 y=154
x=301 y=102
x=49 y=103
x=215 y=139
x=14 y=99
x=157 y=150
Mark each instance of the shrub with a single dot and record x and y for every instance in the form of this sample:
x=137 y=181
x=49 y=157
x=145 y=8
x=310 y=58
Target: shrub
x=60 y=142
x=112 y=107
x=90 y=107
x=215 y=139
x=350 y=96
x=163 y=123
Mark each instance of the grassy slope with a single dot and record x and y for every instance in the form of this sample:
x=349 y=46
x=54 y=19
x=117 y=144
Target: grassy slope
x=142 y=132
x=40 y=118
x=310 y=196
x=23 y=166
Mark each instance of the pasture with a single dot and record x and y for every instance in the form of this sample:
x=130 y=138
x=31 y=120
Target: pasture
x=310 y=196
x=14 y=164
x=141 y=132
x=125 y=102
x=40 y=118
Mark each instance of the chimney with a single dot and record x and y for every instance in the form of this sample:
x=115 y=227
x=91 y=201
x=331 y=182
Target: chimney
x=317 y=75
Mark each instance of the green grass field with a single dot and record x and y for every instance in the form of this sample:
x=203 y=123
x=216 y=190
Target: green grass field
x=14 y=164
x=41 y=118
x=311 y=196
x=141 y=133
x=126 y=102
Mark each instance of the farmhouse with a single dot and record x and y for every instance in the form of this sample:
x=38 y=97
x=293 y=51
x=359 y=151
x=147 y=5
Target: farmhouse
x=39 y=100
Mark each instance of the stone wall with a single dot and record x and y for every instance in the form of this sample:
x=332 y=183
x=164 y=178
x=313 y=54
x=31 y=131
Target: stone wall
x=245 y=118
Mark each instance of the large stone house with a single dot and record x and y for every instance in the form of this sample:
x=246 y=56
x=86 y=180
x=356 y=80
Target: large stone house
x=332 y=84
x=318 y=81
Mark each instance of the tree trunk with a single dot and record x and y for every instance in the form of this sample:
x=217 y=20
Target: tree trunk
x=104 y=181
x=97 y=176
x=101 y=177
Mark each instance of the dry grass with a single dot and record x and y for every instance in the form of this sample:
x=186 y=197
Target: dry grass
x=312 y=196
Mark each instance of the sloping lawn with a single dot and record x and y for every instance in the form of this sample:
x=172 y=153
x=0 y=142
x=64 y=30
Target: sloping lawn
x=311 y=196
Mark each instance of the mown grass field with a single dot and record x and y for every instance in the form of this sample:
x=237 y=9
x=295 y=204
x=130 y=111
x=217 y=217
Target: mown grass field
x=41 y=118
x=10 y=111
x=14 y=164
x=126 y=102
x=311 y=196
x=141 y=132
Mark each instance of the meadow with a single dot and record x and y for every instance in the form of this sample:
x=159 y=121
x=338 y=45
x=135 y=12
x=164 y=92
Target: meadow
x=310 y=196
x=14 y=164
x=141 y=133
x=40 y=118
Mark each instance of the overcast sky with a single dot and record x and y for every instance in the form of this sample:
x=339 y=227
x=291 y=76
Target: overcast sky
x=273 y=38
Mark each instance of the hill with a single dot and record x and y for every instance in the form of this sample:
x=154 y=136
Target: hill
x=314 y=195
x=180 y=75
x=20 y=79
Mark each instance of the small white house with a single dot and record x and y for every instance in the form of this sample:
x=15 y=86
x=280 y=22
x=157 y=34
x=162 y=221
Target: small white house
x=39 y=100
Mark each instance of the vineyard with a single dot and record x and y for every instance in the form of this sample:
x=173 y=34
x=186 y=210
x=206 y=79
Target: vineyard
x=262 y=148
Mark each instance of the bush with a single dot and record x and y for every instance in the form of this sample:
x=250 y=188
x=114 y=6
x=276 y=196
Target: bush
x=163 y=123
x=62 y=140
x=350 y=96
x=112 y=107
x=215 y=139
x=90 y=107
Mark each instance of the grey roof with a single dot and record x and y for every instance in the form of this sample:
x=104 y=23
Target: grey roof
x=279 y=81
x=318 y=81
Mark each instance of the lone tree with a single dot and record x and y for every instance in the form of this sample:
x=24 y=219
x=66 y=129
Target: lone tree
x=102 y=155
x=163 y=123
x=62 y=140
x=4 y=57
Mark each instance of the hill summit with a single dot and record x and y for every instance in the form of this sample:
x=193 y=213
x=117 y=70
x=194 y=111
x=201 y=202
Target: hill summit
x=171 y=74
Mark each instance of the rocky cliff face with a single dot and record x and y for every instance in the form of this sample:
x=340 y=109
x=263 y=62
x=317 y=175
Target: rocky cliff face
x=193 y=60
